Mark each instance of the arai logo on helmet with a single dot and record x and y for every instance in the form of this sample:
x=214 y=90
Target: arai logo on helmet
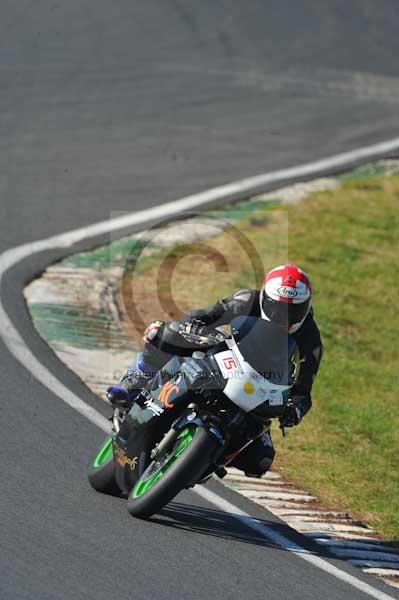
x=287 y=292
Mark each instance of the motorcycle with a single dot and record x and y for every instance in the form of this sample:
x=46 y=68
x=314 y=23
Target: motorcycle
x=197 y=414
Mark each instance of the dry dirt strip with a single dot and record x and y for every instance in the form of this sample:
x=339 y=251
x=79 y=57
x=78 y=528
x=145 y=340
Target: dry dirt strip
x=92 y=343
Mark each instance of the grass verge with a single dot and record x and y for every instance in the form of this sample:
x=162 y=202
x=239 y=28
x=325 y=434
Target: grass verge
x=346 y=449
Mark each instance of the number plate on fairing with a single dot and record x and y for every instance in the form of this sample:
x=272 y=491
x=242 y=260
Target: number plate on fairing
x=228 y=364
x=245 y=386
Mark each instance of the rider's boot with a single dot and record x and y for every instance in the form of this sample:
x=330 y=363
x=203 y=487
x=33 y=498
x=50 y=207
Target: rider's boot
x=257 y=458
x=123 y=395
x=260 y=456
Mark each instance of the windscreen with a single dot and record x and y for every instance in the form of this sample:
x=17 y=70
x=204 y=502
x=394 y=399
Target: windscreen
x=270 y=350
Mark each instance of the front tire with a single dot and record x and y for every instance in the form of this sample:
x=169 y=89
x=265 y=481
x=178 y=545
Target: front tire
x=187 y=462
x=101 y=472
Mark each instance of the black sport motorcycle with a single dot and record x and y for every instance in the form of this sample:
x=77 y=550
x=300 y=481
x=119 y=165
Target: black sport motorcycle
x=197 y=414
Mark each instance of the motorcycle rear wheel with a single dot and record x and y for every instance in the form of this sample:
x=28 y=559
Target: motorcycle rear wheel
x=163 y=479
x=101 y=471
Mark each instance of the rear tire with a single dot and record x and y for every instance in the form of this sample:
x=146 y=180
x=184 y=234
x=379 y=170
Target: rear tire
x=189 y=466
x=101 y=471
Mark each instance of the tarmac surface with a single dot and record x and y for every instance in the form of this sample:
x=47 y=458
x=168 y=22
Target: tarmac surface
x=112 y=107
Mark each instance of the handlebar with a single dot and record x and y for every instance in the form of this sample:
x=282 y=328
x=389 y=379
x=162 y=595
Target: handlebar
x=211 y=339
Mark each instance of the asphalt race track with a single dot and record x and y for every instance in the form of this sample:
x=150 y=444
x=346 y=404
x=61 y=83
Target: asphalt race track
x=118 y=106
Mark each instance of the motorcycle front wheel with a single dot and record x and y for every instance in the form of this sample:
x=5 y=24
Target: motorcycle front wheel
x=164 y=478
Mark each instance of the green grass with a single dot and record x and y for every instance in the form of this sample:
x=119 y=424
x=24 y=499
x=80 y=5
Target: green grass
x=346 y=449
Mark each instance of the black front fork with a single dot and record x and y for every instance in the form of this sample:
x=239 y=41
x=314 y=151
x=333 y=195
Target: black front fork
x=224 y=432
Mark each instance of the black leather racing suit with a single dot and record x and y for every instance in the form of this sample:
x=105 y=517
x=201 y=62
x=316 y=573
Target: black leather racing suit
x=257 y=457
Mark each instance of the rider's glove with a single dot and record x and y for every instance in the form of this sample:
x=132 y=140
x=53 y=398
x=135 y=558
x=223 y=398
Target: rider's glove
x=152 y=331
x=292 y=416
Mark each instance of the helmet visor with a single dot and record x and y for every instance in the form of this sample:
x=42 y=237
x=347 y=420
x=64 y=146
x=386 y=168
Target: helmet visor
x=284 y=313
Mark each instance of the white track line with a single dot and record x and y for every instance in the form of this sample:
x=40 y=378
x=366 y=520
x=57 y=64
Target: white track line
x=286 y=544
x=16 y=345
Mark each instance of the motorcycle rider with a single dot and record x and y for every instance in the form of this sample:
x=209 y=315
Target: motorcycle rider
x=285 y=299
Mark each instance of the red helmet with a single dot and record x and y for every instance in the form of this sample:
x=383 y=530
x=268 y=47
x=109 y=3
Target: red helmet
x=286 y=296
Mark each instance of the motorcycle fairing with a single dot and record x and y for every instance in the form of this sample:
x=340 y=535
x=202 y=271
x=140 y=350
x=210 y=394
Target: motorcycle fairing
x=245 y=387
x=150 y=417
